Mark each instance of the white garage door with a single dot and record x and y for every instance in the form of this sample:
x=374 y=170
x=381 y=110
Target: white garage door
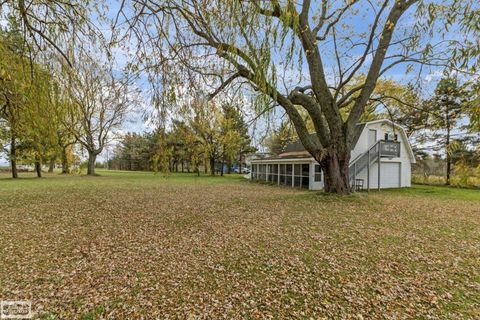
x=390 y=175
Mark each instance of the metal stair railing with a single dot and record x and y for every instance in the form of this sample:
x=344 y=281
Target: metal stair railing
x=363 y=161
x=373 y=154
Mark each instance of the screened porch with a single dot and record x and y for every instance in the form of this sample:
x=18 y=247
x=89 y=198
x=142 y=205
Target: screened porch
x=296 y=175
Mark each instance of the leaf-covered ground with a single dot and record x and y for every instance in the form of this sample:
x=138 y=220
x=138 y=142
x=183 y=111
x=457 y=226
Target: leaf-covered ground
x=127 y=245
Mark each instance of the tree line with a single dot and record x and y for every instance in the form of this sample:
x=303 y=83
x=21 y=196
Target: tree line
x=210 y=138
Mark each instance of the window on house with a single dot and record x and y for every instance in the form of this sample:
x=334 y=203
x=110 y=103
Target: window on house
x=389 y=136
x=318 y=173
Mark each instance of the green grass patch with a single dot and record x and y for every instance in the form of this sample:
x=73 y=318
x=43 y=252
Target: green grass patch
x=439 y=192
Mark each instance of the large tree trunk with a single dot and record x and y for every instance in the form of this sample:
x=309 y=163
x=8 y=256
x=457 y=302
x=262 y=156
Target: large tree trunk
x=13 y=157
x=92 y=156
x=65 y=164
x=51 y=165
x=335 y=171
x=38 y=168
x=221 y=169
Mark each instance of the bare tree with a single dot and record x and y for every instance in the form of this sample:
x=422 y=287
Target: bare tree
x=300 y=54
x=101 y=102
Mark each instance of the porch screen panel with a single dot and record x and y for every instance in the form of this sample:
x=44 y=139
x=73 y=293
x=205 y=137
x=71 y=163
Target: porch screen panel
x=288 y=174
x=301 y=175
x=305 y=175
x=297 y=172
x=282 y=173
x=271 y=174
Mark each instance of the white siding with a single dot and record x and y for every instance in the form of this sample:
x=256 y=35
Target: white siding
x=315 y=185
x=405 y=160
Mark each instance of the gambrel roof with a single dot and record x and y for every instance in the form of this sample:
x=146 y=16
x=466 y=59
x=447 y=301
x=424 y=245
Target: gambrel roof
x=297 y=146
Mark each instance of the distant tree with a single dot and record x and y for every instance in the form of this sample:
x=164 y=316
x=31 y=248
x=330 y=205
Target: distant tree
x=177 y=142
x=206 y=122
x=162 y=157
x=237 y=141
x=132 y=152
x=196 y=151
x=100 y=102
x=446 y=108
x=280 y=138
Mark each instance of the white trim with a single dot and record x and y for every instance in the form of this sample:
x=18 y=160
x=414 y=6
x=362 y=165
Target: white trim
x=302 y=160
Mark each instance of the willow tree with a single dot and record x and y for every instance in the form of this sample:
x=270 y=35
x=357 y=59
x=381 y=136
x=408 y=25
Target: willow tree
x=303 y=54
x=12 y=85
x=24 y=87
x=49 y=24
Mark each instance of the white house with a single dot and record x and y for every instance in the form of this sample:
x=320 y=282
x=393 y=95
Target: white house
x=376 y=142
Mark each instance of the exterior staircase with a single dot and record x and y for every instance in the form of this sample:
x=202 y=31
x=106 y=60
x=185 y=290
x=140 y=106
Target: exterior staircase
x=381 y=149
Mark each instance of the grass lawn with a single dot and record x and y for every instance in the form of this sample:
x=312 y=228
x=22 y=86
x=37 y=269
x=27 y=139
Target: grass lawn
x=127 y=245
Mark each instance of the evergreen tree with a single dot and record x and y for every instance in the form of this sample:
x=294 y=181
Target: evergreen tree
x=446 y=109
